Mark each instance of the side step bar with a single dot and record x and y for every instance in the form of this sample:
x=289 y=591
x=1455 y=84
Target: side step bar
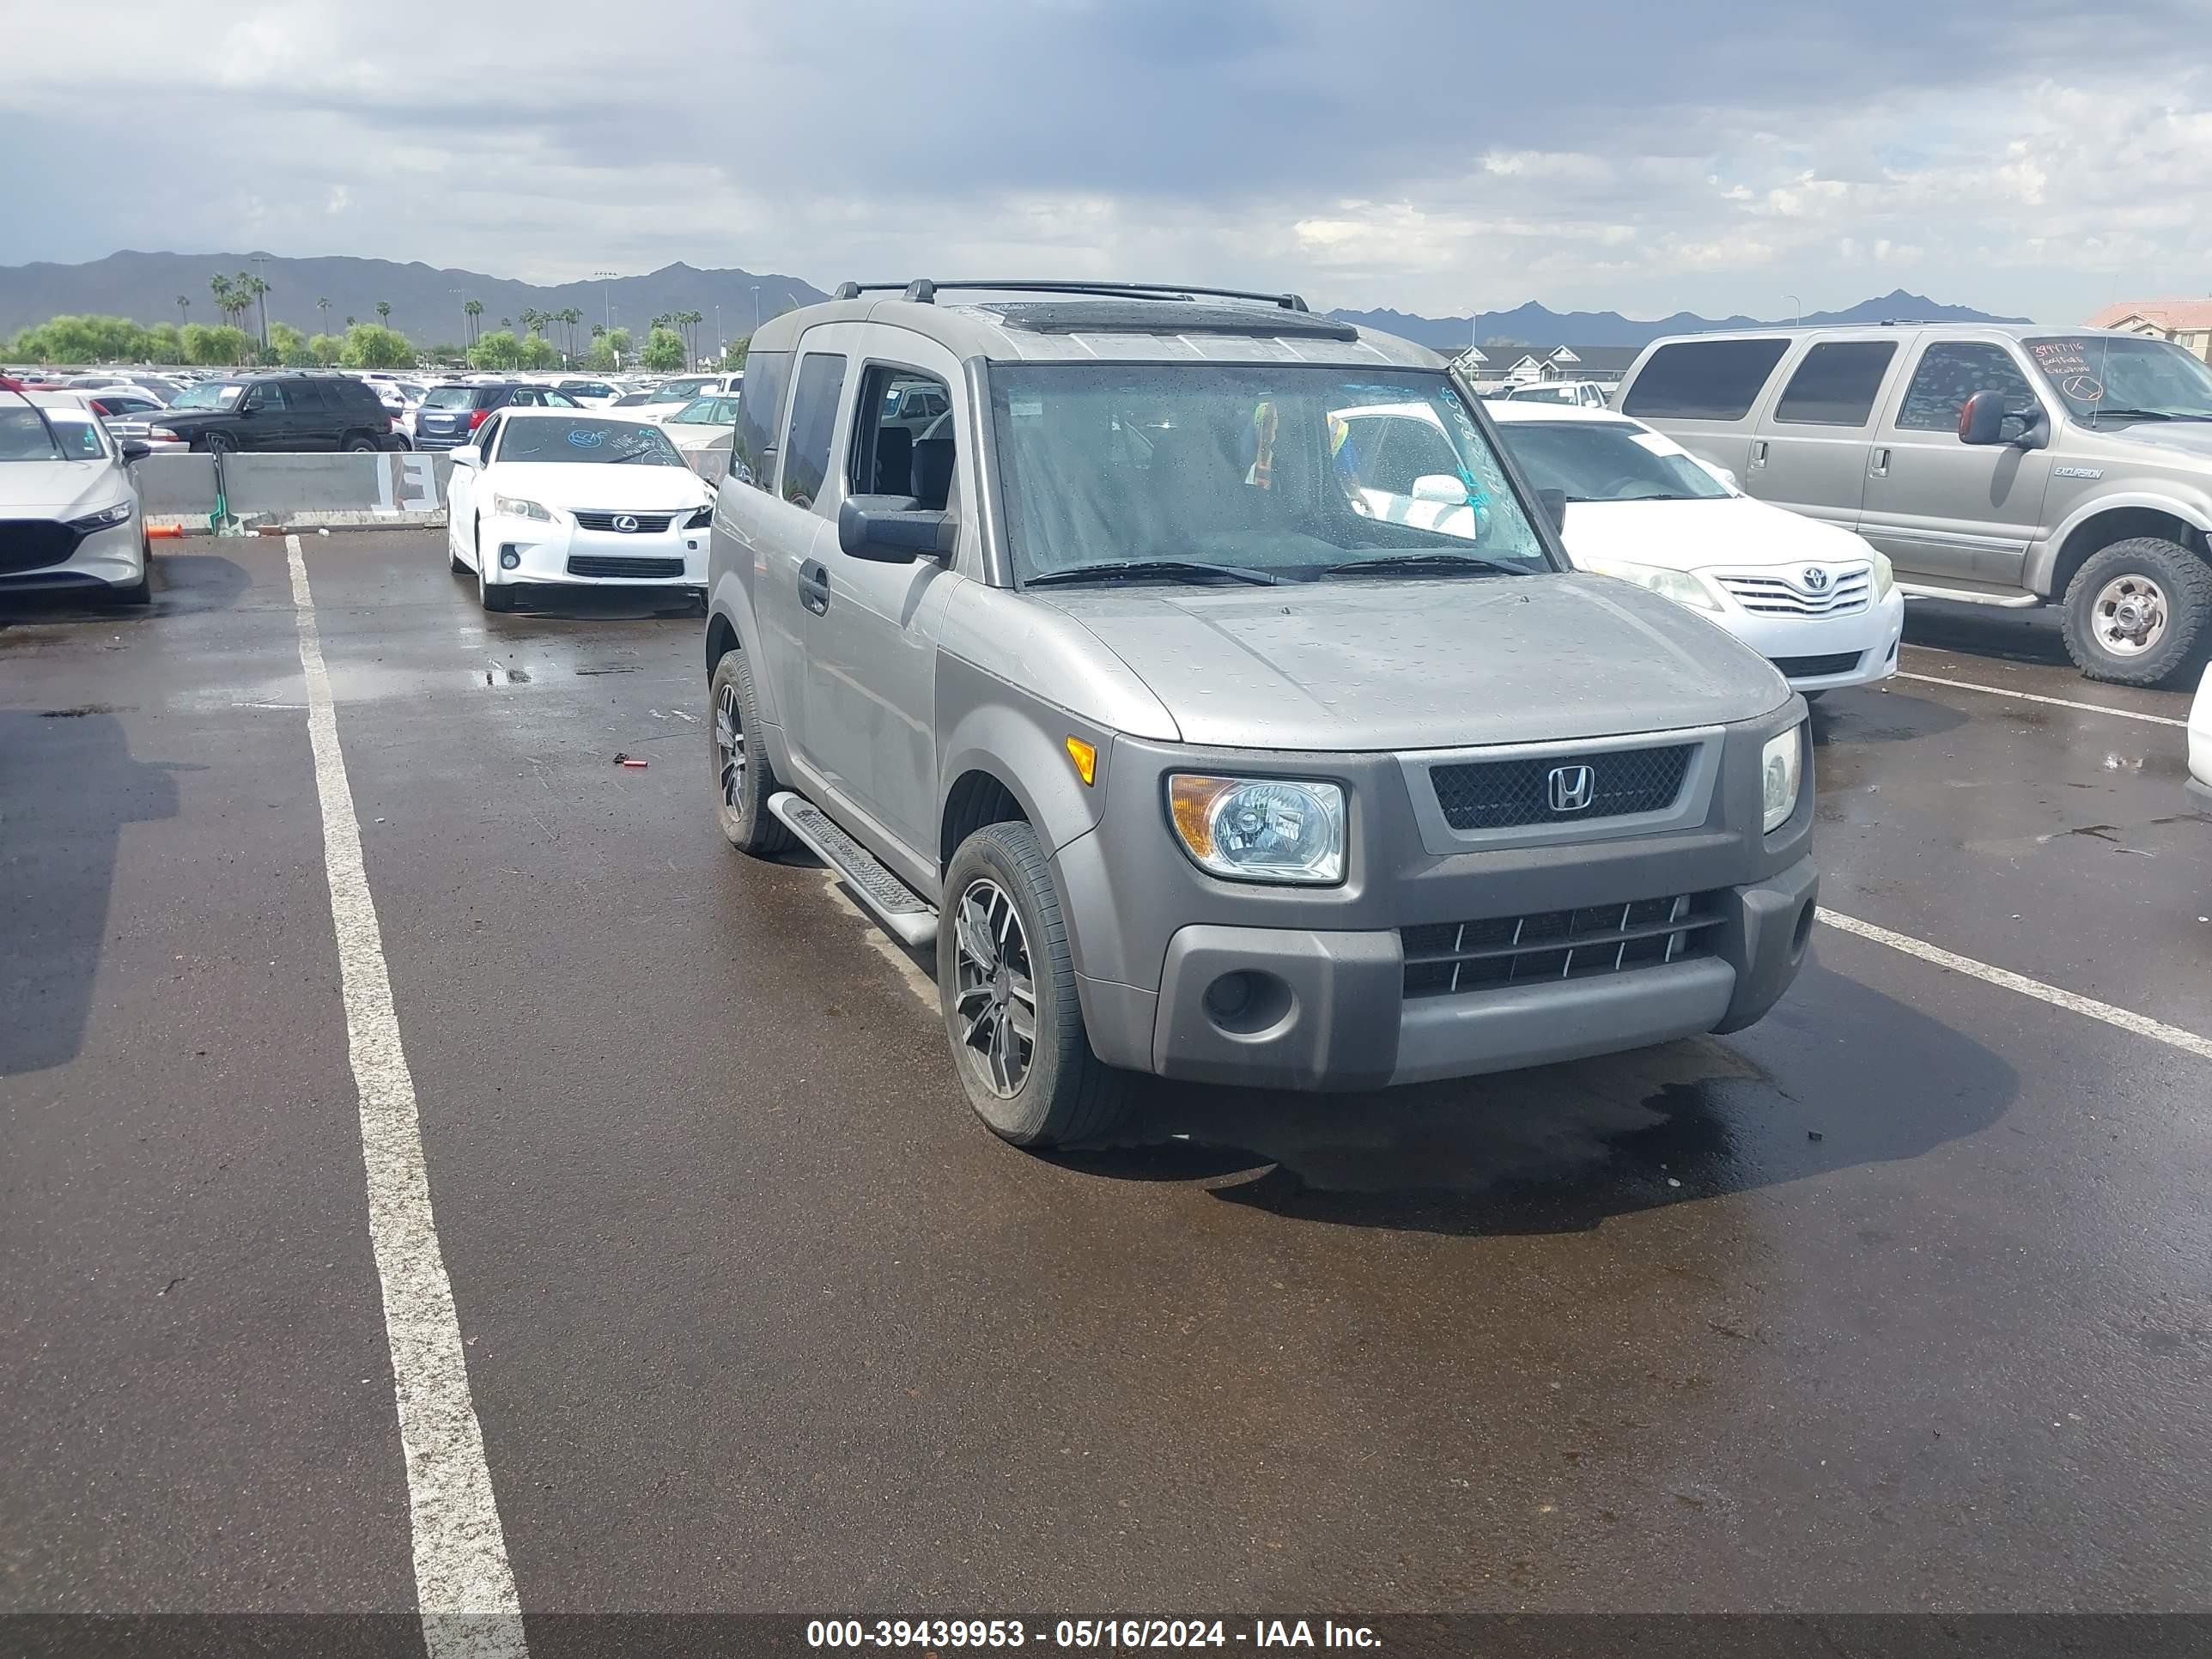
x=2015 y=600
x=896 y=905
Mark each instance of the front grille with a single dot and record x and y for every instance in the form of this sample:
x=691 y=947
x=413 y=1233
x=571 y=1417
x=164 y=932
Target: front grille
x=34 y=544
x=648 y=523
x=1806 y=668
x=1506 y=795
x=1779 y=594
x=1443 y=957
x=635 y=570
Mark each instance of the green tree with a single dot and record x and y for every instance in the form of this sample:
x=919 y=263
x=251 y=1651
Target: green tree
x=254 y=291
x=323 y=306
x=384 y=312
x=164 y=345
x=184 y=308
x=290 y=347
x=475 y=309
x=737 y=349
x=664 y=350
x=372 y=345
x=618 y=343
x=213 y=347
x=497 y=349
x=326 y=350
x=538 y=352
x=569 y=318
x=219 y=286
x=600 y=358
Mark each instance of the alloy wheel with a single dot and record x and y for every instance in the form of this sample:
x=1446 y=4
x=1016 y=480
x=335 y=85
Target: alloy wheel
x=730 y=747
x=995 y=998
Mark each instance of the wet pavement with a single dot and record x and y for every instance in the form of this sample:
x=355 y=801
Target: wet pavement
x=1901 y=1299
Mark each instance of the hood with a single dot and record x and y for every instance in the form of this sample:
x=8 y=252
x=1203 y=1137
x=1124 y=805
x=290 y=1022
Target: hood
x=58 y=489
x=2191 y=438
x=1396 y=664
x=604 y=484
x=1730 y=532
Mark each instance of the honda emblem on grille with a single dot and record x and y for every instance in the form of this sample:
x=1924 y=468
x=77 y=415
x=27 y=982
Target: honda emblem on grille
x=1571 y=788
x=625 y=521
x=1816 y=579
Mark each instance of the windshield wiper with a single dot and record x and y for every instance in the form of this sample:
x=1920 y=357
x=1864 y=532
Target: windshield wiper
x=1446 y=564
x=1188 y=570
x=2139 y=414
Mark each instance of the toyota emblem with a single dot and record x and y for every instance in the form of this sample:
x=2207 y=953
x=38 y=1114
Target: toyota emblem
x=1816 y=579
x=627 y=522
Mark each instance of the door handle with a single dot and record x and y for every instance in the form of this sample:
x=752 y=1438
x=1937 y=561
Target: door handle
x=1881 y=468
x=1759 y=453
x=814 y=585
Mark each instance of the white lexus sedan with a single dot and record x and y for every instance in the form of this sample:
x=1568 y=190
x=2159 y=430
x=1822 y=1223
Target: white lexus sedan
x=1812 y=597
x=553 y=497
x=69 y=509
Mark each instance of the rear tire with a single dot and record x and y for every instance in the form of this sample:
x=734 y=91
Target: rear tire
x=1005 y=981
x=2139 y=612
x=743 y=780
x=358 y=445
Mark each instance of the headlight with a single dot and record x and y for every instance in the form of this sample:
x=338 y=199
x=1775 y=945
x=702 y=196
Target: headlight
x=1781 y=771
x=513 y=506
x=700 y=518
x=1261 y=828
x=1885 y=577
x=107 y=518
x=1679 y=586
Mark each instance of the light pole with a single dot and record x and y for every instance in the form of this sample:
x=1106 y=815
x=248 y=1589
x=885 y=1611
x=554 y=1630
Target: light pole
x=607 y=296
x=756 y=307
x=721 y=350
x=1797 y=306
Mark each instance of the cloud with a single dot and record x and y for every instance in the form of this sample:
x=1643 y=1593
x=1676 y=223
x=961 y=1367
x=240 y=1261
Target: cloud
x=1427 y=154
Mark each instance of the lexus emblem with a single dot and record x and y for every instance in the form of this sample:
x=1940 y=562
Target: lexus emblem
x=1572 y=789
x=627 y=522
x=1816 y=579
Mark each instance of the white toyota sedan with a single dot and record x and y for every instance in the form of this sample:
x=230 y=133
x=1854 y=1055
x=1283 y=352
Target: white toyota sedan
x=552 y=497
x=1812 y=597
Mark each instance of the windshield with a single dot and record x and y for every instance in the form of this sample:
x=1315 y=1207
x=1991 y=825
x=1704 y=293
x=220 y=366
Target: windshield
x=707 y=411
x=1608 y=461
x=2097 y=374
x=675 y=391
x=1293 y=471
x=209 y=394
x=586 y=441
x=25 y=437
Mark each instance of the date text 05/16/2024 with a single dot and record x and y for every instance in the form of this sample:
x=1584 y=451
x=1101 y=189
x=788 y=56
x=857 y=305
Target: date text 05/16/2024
x=1108 y=1635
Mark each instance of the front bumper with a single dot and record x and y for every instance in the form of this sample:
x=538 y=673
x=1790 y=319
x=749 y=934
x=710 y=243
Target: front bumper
x=564 y=554
x=1796 y=644
x=115 y=557
x=1344 y=1022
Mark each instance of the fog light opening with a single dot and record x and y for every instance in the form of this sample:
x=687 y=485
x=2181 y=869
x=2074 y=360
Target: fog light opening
x=509 y=559
x=1248 y=1002
x=1801 y=935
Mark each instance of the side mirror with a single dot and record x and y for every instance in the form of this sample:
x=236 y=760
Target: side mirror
x=1554 y=502
x=1440 y=487
x=894 y=530
x=466 y=455
x=132 y=450
x=1982 y=418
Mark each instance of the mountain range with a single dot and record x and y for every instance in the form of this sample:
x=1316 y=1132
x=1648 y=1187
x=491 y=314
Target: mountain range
x=1536 y=324
x=426 y=302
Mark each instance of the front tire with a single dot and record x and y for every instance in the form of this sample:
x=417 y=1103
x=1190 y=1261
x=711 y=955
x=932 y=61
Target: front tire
x=142 y=590
x=2138 y=612
x=1006 y=982
x=358 y=445
x=492 y=595
x=743 y=780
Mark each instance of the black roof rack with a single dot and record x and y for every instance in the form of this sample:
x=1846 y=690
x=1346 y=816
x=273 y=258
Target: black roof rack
x=923 y=291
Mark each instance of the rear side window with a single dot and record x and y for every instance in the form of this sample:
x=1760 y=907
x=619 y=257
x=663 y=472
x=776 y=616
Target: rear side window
x=753 y=458
x=1836 y=384
x=1703 y=379
x=311 y=394
x=813 y=426
x=1949 y=373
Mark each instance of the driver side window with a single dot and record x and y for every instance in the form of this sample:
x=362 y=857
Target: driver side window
x=1950 y=371
x=489 y=437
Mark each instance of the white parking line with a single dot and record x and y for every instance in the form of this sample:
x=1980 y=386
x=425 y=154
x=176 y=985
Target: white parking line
x=2055 y=702
x=463 y=1583
x=2139 y=1024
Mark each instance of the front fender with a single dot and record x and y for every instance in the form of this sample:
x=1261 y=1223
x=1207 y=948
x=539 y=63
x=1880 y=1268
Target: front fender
x=2192 y=507
x=988 y=725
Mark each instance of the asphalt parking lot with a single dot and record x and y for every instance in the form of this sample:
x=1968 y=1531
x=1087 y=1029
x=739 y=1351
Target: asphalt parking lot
x=1900 y=1300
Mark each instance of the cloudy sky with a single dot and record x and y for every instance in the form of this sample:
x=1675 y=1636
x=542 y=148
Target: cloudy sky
x=1437 y=155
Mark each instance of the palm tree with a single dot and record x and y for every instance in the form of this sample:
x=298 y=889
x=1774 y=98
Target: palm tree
x=324 y=306
x=251 y=290
x=475 y=309
x=384 y=312
x=184 y=306
x=569 y=318
x=219 y=286
x=507 y=324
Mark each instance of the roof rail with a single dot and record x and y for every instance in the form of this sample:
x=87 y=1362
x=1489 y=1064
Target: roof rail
x=923 y=291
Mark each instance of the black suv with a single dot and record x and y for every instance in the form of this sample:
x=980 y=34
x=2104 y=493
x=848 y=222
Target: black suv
x=284 y=412
x=450 y=416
